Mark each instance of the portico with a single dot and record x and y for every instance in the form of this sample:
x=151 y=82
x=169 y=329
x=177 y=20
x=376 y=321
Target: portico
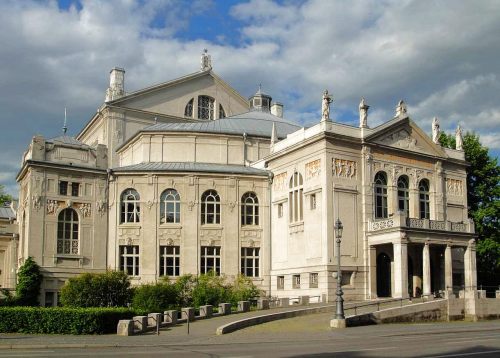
x=407 y=261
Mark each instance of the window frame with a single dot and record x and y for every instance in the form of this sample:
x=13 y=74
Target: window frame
x=188 y=110
x=380 y=192
x=134 y=255
x=403 y=187
x=250 y=261
x=296 y=198
x=205 y=256
x=249 y=209
x=170 y=198
x=424 y=199
x=206 y=111
x=214 y=205
x=126 y=204
x=70 y=241
x=169 y=260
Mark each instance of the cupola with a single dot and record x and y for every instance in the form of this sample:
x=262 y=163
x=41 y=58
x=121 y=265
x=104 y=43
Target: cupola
x=260 y=101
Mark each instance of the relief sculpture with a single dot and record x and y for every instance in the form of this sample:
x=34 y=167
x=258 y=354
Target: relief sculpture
x=343 y=168
x=313 y=169
x=454 y=187
x=279 y=181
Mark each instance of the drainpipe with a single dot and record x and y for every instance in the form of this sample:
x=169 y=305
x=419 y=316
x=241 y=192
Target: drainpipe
x=270 y=185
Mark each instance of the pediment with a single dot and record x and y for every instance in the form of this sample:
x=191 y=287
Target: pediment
x=407 y=136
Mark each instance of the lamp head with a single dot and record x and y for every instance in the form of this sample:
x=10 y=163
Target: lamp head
x=338 y=228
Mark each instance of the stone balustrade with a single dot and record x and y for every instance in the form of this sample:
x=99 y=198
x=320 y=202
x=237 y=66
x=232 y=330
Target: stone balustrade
x=399 y=220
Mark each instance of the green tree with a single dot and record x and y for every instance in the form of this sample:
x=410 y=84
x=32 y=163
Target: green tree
x=4 y=198
x=483 y=193
x=29 y=281
x=156 y=297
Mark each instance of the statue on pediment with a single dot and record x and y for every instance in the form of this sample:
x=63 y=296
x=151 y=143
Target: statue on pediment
x=459 y=140
x=325 y=106
x=363 y=114
x=401 y=109
x=435 y=130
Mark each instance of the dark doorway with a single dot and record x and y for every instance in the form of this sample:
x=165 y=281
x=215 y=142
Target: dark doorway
x=410 y=277
x=383 y=275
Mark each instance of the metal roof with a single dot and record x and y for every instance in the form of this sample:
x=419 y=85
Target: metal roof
x=192 y=167
x=254 y=123
x=6 y=212
x=66 y=139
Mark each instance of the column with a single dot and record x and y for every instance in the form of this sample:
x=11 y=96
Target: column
x=470 y=266
x=372 y=283
x=400 y=269
x=448 y=272
x=426 y=270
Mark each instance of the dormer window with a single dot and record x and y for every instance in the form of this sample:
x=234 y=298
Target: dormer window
x=206 y=107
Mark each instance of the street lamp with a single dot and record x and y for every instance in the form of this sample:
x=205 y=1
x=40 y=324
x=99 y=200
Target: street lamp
x=338 y=228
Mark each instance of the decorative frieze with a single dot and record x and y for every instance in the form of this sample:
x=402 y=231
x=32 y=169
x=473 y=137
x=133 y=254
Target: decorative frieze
x=343 y=168
x=382 y=224
x=36 y=201
x=454 y=187
x=313 y=169
x=52 y=206
x=86 y=210
x=279 y=181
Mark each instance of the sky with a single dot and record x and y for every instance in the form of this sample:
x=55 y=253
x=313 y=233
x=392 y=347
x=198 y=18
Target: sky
x=440 y=57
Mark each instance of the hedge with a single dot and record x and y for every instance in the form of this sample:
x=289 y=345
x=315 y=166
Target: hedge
x=62 y=320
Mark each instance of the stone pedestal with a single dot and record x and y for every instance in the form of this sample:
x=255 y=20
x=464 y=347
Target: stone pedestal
x=188 y=312
x=170 y=316
x=140 y=323
x=243 y=306
x=125 y=327
x=284 y=302
x=225 y=308
x=206 y=311
x=263 y=304
x=153 y=318
x=337 y=323
x=303 y=300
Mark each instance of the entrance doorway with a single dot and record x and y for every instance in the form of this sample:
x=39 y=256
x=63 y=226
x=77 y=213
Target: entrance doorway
x=383 y=275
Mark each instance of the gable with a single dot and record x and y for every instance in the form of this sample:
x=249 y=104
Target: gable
x=172 y=97
x=406 y=135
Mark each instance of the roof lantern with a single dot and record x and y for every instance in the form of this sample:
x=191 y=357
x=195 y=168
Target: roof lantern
x=260 y=101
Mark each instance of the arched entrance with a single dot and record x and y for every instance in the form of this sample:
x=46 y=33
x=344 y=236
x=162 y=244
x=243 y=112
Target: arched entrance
x=383 y=275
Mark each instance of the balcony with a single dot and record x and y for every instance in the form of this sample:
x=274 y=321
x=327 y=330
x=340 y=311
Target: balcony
x=399 y=220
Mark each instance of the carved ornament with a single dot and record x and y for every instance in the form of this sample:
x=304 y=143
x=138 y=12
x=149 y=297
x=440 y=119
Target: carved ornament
x=313 y=169
x=343 y=168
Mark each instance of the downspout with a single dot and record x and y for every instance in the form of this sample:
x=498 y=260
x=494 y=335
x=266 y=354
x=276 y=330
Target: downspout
x=270 y=185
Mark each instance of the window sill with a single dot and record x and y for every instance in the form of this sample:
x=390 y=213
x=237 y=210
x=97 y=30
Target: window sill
x=171 y=225
x=251 y=227
x=211 y=226
x=68 y=256
x=130 y=225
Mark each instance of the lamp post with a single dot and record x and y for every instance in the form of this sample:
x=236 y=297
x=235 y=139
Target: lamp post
x=338 y=228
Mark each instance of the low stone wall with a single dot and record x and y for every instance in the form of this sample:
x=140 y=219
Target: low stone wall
x=488 y=308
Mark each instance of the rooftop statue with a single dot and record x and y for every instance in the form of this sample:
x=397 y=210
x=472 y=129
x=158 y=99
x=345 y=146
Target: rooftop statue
x=325 y=106
x=363 y=114
x=459 y=141
x=435 y=130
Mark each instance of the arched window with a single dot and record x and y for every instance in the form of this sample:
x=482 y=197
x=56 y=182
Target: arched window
x=423 y=198
x=206 y=107
x=130 y=207
x=295 y=199
x=188 y=111
x=249 y=209
x=403 y=194
x=210 y=207
x=67 y=232
x=170 y=207
x=380 y=191
x=222 y=112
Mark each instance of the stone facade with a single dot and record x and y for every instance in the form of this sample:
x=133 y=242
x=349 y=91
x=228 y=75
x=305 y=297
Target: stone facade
x=187 y=176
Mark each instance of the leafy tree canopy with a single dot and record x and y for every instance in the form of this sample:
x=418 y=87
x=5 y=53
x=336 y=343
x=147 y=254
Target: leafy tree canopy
x=4 y=198
x=483 y=193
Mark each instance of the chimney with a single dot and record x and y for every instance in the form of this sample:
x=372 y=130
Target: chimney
x=277 y=109
x=116 y=87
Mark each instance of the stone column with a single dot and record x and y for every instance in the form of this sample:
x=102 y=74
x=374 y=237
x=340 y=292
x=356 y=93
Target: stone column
x=426 y=270
x=470 y=266
x=372 y=254
x=448 y=272
x=400 y=269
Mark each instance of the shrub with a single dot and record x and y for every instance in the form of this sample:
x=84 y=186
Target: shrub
x=28 y=285
x=155 y=297
x=242 y=289
x=61 y=320
x=210 y=290
x=184 y=286
x=109 y=289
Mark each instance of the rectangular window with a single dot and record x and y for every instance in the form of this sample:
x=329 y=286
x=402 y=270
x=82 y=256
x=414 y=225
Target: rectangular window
x=50 y=299
x=296 y=281
x=280 y=283
x=129 y=260
x=280 y=210
x=250 y=261
x=313 y=280
x=75 y=189
x=313 y=201
x=63 y=188
x=170 y=260
x=210 y=259
x=346 y=278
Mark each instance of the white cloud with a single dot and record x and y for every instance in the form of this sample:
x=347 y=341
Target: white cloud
x=441 y=57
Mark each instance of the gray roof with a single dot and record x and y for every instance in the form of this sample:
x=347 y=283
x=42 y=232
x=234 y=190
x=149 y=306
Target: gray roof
x=253 y=123
x=193 y=167
x=66 y=139
x=6 y=212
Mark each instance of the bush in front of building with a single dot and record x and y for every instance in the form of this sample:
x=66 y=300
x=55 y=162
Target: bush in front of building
x=210 y=289
x=155 y=297
x=109 y=289
x=242 y=289
x=61 y=320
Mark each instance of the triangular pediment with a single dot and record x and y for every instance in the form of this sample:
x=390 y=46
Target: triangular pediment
x=170 y=98
x=405 y=135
